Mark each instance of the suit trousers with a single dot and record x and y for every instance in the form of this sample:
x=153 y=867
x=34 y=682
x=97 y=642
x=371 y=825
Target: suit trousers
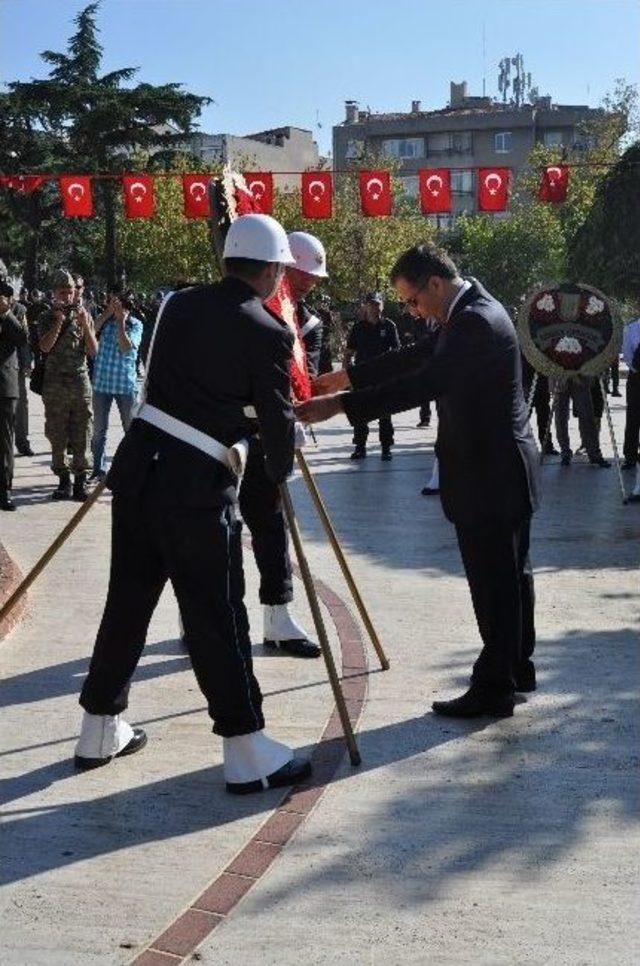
x=199 y=550
x=496 y=562
x=262 y=511
x=7 y=442
x=583 y=402
x=22 y=412
x=632 y=422
x=385 y=432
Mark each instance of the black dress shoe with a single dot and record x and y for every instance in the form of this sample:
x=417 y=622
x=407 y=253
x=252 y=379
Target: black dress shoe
x=292 y=773
x=25 y=450
x=566 y=459
x=6 y=503
x=475 y=703
x=298 y=647
x=138 y=742
x=600 y=461
x=359 y=453
x=628 y=465
x=429 y=490
x=386 y=455
x=526 y=679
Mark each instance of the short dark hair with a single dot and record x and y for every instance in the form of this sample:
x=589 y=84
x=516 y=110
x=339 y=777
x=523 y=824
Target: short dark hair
x=422 y=261
x=244 y=267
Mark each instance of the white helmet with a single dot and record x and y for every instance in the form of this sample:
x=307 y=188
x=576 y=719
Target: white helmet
x=260 y=237
x=309 y=253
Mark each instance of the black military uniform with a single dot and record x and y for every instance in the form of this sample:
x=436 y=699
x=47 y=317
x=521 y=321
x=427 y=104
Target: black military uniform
x=175 y=511
x=368 y=341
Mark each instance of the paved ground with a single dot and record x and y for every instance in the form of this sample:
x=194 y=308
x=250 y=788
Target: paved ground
x=506 y=842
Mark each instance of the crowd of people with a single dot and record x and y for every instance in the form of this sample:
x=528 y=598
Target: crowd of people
x=84 y=350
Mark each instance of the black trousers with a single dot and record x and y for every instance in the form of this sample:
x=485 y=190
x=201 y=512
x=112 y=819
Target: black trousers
x=542 y=406
x=385 y=433
x=632 y=423
x=496 y=562
x=199 y=550
x=262 y=511
x=7 y=442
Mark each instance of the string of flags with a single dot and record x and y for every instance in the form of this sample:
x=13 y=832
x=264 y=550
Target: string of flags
x=435 y=192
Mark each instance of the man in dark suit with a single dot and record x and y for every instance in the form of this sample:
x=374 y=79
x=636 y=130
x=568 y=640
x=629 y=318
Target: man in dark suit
x=13 y=337
x=487 y=455
x=215 y=351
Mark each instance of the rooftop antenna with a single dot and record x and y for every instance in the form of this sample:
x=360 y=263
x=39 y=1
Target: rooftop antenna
x=484 y=59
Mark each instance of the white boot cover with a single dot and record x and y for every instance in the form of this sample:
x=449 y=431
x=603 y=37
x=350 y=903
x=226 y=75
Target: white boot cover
x=280 y=626
x=250 y=758
x=102 y=736
x=434 y=482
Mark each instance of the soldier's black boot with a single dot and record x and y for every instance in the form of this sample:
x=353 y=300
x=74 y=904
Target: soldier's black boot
x=80 y=491
x=63 y=490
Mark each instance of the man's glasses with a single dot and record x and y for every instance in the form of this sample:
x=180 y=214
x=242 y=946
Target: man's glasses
x=412 y=303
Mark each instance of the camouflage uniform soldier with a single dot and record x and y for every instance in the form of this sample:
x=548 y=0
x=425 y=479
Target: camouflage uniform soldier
x=66 y=336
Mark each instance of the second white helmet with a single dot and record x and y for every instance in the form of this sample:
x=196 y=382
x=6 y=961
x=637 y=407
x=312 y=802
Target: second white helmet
x=260 y=237
x=309 y=254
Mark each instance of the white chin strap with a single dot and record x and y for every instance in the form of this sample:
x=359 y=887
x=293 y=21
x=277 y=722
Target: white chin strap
x=250 y=758
x=434 y=482
x=279 y=625
x=103 y=736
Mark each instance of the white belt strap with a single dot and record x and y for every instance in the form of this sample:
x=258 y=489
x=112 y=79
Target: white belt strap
x=312 y=323
x=234 y=457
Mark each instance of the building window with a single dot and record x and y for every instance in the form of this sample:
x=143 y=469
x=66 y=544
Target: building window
x=410 y=185
x=502 y=142
x=553 y=139
x=355 y=150
x=450 y=142
x=403 y=147
x=462 y=182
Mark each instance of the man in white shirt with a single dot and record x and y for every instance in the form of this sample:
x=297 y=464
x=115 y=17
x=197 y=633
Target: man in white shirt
x=631 y=355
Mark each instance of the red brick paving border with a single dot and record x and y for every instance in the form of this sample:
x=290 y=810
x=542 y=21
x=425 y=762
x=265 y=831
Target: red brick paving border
x=223 y=894
x=10 y=577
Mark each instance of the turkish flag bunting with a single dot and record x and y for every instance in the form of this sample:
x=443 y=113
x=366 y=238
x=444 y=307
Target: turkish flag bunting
x=260 y=184
x=195 y=194
x=317 y=194
x=493 y=188
x=77 y=201
x=435 y=190
x=375 y=193
x=22 y=183
x=139 y=200
x=554 y=183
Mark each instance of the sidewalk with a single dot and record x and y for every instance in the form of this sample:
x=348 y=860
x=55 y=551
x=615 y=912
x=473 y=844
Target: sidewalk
x=481 y=842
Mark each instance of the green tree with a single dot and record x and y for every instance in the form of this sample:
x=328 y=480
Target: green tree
x=96 y=121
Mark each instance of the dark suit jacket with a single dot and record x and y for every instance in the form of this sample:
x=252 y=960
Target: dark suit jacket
x=487 y=453
x=12 y=338
x=217 y=350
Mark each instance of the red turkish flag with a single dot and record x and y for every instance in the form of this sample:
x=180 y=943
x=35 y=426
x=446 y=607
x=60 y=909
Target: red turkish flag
x=317 y=194
x=435 y=190
x=260 y=184
x=24 y=184
x=554 y=183
x=139 y=200
x=493 y=188
x=375 y=193
x=77 y=201
x=195 y=195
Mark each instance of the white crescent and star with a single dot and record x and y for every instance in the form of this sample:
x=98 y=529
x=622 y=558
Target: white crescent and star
x=434 y=179
x=198 y=190
x=317 y=189
x=257 y=188
x=137 y=195
x=375 y=194
x=75 y=194
x=558 y=175
x=494 y=179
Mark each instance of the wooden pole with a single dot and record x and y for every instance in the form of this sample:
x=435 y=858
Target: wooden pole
x=614 y=443
x=307 y=579
x=50 y=552
x=344 y=566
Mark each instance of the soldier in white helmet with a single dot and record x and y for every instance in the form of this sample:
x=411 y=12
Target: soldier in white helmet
x=215 y=351
x=259 y=497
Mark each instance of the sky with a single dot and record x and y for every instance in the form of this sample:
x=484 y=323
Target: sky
x=294 y=62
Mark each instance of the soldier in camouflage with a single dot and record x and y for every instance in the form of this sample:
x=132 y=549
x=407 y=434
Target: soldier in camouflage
x=67 y=337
